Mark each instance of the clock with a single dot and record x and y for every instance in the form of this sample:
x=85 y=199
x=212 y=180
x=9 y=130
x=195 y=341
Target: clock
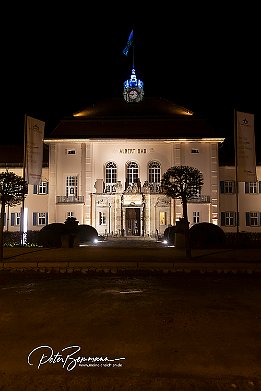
x=133 y=94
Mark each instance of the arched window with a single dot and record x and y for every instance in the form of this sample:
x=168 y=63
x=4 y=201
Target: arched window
x=132 y=173
x=154 y=172
x=110 y=177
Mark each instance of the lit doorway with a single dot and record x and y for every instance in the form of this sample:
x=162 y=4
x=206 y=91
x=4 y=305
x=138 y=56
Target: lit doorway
x=132 y=221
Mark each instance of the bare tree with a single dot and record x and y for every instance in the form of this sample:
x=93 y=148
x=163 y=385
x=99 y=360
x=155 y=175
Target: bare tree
x=13 y=189
x=183 y=182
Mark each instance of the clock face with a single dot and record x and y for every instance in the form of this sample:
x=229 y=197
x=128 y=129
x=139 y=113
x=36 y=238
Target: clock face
x=133 y=94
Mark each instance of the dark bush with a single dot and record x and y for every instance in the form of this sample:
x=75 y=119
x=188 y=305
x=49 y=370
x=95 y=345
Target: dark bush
x=207 y=235
x=51 y=235
x=85 y=233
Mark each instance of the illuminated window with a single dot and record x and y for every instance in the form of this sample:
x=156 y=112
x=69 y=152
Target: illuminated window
x=228 y=218
x=110 y=177
x=227 y=187
x=195 y=217
x=15 y=218
x=40 y=218
x=102 y=218
x=71 y=186
x=253 y=219
x=42 y=188
x=251 y=187
x=162 y=218
x=154 y=172
x=132 y=172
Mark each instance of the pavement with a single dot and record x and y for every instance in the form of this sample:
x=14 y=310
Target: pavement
x=130 y=256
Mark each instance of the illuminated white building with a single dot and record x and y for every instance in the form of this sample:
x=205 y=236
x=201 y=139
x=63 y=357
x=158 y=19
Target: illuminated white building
x=105 y=164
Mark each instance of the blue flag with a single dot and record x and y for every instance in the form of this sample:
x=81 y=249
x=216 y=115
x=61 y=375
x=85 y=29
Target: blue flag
x=129 y=43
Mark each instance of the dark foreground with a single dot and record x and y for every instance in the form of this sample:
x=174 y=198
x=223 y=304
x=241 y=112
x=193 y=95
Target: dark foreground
x=180 y=332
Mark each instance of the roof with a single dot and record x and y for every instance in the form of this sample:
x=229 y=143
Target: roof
x=12 y=155
x=152 y=118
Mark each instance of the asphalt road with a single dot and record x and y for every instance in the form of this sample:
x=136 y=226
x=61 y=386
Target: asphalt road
x=177 y=332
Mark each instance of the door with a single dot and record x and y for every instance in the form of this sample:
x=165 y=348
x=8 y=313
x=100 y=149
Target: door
x=132 y=218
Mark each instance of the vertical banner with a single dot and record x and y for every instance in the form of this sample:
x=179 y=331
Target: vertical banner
x=245 y=147
x=34 y=150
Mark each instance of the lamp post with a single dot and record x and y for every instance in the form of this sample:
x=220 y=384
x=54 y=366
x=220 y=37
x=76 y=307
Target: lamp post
x=109 y=218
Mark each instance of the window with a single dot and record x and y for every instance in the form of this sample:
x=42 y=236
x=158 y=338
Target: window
x=162 y=218
x=193 y=150
x=102 y=218
x=70 y=151
x=253 y=219
x=251 y=187
x=70 y=214
x=40 y=218
x=71 y=186
x=154 y=172
x=228 y=218
x=227 y=187
x=42 y=188
x=15 y=218
x=195 y=217
x=132 y=172
x=110 y=177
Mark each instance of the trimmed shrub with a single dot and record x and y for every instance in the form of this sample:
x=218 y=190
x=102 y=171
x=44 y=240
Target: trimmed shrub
x=207 y=235
x=85 y=233
x=51 y=235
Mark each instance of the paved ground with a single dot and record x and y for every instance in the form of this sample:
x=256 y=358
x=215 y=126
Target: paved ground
x=179 y=332
x=127 y=256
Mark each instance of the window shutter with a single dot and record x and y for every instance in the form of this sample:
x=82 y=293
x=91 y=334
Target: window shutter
x=47 y=187
x=222 y=218
x=35 y=189
x=259 y=187
x=237 y=218
x=246 y=187
x=247 y=218
x=46 y=218
x=34 y=218
x=233 y=187
x=12 y=219
x=222 y=187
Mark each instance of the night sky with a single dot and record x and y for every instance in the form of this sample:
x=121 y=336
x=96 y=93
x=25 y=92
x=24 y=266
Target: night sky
x=58 y=61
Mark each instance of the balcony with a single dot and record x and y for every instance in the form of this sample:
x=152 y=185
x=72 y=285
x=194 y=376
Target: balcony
x=202 y=199
x=69 y=200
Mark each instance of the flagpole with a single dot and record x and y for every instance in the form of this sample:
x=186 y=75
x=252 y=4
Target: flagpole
x=23 y=241
x=133 y=56
x=236 y=171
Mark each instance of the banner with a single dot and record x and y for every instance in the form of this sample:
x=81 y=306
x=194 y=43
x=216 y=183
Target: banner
x=245 y=147
x=34 y=150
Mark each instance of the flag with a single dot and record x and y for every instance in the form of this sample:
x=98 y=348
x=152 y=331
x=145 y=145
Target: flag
x=34 y=150
x=245 y=148
x=129 y=43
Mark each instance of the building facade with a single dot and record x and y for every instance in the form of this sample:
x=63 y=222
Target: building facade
x=104 y=167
